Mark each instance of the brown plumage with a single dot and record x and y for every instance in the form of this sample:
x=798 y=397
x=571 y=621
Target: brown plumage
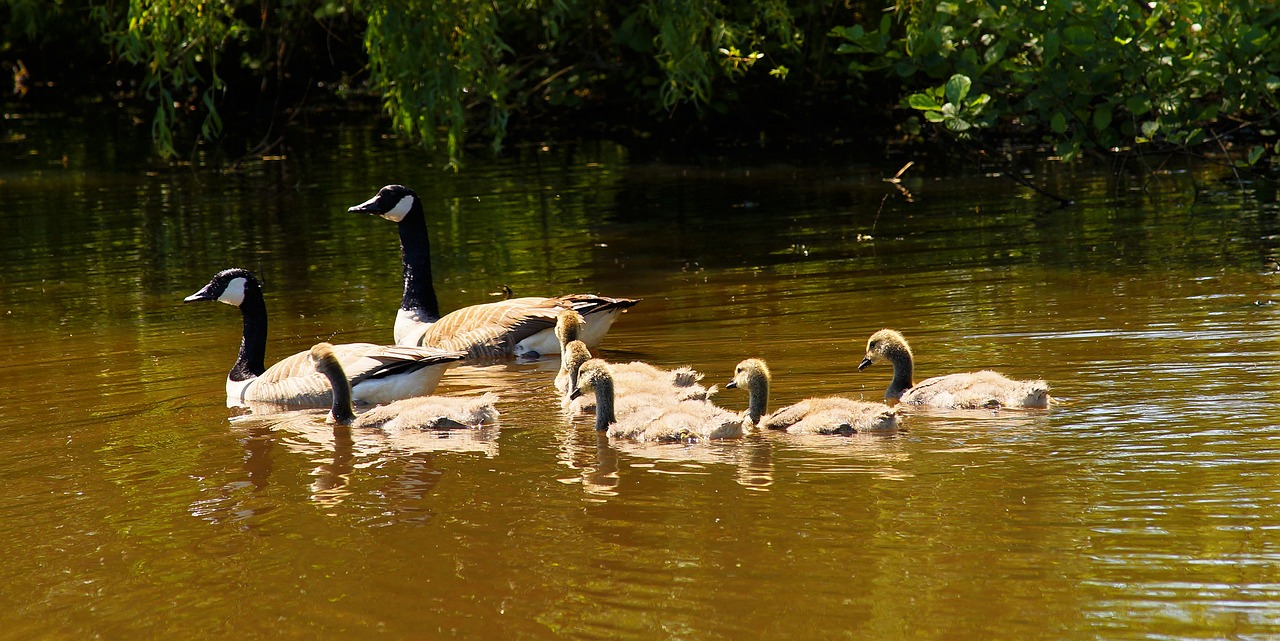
x=376 y=373
x=422 y=412
x=519 y=326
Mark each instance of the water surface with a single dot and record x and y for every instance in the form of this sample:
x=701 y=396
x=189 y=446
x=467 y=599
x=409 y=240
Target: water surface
x=1145 y=505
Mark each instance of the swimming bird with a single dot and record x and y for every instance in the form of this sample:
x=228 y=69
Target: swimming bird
x=680 y=383
x=421 y=412
x=819 y=415
x=648 y=417
x=973 y=390
x=518 y=326
x=377 y=373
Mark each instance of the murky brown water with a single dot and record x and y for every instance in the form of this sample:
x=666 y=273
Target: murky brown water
x=1147 y=505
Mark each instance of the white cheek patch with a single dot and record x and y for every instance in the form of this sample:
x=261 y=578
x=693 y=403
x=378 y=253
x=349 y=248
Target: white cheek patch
x=234 y=293
x=401 y=210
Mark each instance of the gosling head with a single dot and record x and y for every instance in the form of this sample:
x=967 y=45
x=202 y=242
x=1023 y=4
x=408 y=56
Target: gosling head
x=320 y=355
x=326 y=362
x=591 y=375
x=228 y=286
x=393 y=202
x=883 y=344
x=575 y=353
x=568 y=325
x=752 y=370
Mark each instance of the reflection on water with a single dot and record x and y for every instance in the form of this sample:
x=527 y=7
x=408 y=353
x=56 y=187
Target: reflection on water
x=1144 y=505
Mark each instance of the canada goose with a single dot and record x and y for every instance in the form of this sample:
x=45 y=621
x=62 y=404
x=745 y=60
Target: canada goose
x=378 y=373
x=822 y=415
x=519 y=326
x=568 y=327
x=629 y=380
x=627 y=376
x=974 y=390
x=422 y=412
x=649 y=417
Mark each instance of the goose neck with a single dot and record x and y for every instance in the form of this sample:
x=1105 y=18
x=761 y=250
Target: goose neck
x=415 y=254
x=758 y=397
x=903 y=367
x=342 y=411
x=604 y=404
x=253 y=342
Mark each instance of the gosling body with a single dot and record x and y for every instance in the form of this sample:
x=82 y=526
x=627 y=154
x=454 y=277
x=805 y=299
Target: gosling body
x=423 y=412
x=818 y=415
x=632 y=378
x=644 y=417
x=971 y=390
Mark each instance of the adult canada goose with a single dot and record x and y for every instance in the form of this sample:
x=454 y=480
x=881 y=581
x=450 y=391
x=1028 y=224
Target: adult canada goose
x=820 y=415
x=518 y=326
x=649 y=417
x=973 y=390
x=422 y=412
x=377 y=373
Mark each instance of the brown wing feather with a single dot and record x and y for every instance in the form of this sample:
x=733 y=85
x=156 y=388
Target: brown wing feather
x=295 y=378
x=491 y=330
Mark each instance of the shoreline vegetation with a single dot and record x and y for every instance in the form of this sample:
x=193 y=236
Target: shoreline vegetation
x=1064 y=78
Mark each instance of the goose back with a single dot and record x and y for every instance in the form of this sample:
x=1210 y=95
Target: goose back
x=978 y=390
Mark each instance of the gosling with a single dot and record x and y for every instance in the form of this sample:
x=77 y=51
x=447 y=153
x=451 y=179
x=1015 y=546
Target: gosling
x=821 y=415
x=645 y=417
x=634 y=377
x=421 y=412
x=973 y=390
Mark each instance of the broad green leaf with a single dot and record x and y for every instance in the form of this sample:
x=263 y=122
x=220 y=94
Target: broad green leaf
x=1102 y=117
x=957 y=88
x=1255 y=153
x=922 y=102
x=1058 y=123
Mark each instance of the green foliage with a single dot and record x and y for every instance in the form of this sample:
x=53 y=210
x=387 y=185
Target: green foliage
x=951 y=105
x=1099 y=75
x=177 y=43
x=1105 y=75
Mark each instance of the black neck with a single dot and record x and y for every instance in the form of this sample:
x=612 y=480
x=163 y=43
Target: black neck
x=902 y=373
x=604 y=405
x=253 y=343
x=758 y=398
x=415 y=253
x=342 y=412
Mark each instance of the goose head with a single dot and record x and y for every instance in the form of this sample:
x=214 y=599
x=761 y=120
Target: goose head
x=749 y=374
x=592 y=375
x=393 y=202
x=326 y=362
x=885 y=344
x=322 y=357
x=228 y=286
x=575 y=354
x=569 y=325
x=753 y=375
